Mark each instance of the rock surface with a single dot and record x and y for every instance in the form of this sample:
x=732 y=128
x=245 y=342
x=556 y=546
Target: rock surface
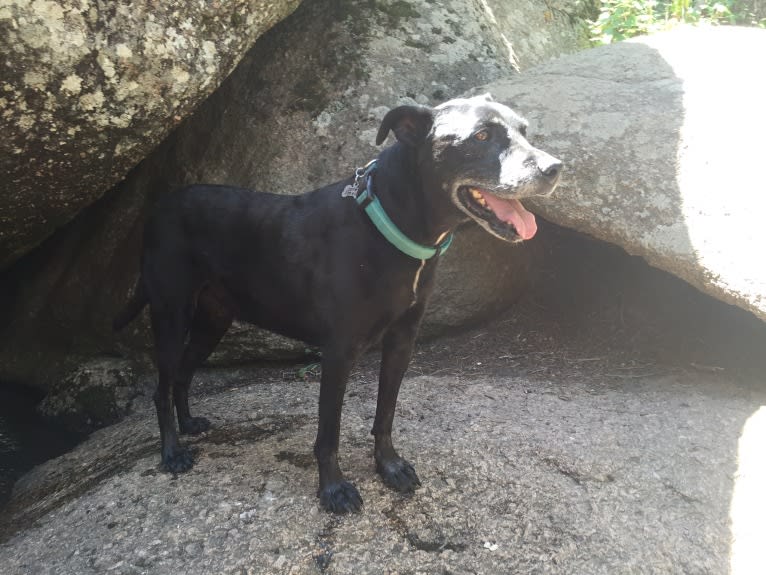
x=290 y=118
x=97 y=393
x=88 y=89
x=661 y=138
x=594 y=469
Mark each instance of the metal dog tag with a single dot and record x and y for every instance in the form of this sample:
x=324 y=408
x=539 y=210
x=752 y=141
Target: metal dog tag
x=350 y=190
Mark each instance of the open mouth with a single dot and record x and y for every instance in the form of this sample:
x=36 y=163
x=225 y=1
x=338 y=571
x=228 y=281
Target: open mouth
x=506 y=218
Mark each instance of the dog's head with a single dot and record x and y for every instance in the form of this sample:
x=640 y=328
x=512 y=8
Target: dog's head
x=475 y=152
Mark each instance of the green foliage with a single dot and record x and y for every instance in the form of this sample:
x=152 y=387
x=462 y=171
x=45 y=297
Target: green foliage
x=621 y=19
x=312 y=370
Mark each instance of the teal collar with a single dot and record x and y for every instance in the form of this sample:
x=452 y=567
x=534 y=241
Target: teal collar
x=371 y=204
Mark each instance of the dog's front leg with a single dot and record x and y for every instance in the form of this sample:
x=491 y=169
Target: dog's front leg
x=175 y=458
x=398 y=342
x=335 y=493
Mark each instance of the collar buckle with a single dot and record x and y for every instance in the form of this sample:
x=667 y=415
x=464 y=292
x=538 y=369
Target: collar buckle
x=374 y=209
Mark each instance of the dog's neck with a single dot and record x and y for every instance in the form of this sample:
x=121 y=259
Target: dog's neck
x=425 y=215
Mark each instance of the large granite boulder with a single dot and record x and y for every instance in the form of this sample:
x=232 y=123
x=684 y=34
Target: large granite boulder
x=301 y=110
x=534 y=32
x=662 y=138
x=87 y=89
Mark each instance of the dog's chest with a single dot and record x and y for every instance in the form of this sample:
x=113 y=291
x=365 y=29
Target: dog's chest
x=422 y=282
x=416 y=282
x=401 y=288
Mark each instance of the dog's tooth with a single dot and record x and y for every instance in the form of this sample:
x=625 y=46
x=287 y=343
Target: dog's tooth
x=476 y=194
x=482 y=201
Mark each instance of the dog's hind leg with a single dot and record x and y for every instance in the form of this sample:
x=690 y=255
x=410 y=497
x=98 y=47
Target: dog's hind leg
x=170 y=326
x=398 y=342
x=335 y=493
x=211 y=320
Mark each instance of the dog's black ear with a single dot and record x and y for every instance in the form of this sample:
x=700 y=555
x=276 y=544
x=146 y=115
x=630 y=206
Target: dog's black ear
x=410 y=124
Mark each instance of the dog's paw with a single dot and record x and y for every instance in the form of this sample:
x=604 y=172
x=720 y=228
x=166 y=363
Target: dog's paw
x=179 y=461
x=195 y=425
x=399 y=475
x=341 y=497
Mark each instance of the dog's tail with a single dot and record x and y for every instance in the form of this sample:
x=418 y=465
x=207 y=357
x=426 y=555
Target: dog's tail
x=135 y=304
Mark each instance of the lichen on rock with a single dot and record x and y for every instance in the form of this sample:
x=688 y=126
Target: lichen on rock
x=120 y=77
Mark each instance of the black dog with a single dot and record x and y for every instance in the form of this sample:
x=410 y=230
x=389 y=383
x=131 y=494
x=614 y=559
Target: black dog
x=327 y=268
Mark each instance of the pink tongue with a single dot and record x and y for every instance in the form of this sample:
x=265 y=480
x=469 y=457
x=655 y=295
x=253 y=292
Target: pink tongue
x=511 y=211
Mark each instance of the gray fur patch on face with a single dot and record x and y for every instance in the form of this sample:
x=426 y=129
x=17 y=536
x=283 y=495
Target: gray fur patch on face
x=454 y=123
x=515 y=165
x=460 y=118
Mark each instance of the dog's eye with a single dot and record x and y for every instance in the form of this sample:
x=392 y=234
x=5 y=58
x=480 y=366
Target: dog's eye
x=523 y=131
x=481 y=135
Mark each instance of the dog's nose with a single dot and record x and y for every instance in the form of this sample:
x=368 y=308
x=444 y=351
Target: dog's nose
x=550 y=167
